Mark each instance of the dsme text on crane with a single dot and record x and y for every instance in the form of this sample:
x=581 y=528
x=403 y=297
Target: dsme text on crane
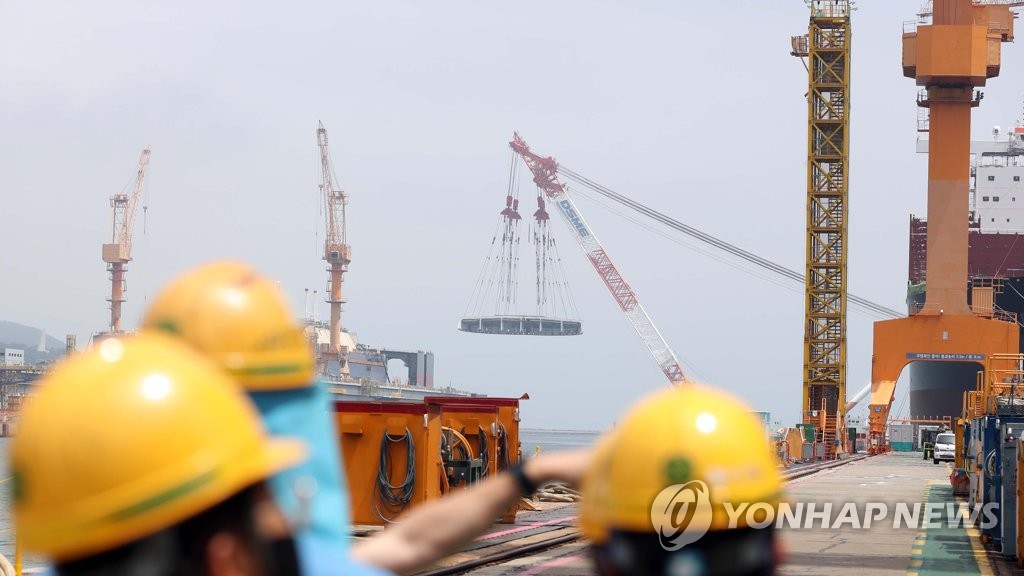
x=566 y=207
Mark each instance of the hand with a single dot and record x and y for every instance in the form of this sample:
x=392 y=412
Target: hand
x=568 y=467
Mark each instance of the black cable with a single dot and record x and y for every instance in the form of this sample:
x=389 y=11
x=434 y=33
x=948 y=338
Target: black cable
x=718 y=243
x=394 y=498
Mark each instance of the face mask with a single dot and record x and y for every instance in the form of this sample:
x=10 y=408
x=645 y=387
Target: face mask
x=312 y=494
x=279 y=558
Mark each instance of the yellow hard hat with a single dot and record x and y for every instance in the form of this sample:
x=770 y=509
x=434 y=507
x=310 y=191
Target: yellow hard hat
x=669 y=444
x=238 y=317
x=130 y=438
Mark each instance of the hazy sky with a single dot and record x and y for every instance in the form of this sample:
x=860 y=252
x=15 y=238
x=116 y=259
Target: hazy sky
x=694 y=108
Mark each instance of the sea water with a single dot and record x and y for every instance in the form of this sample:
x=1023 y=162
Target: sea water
x=555 y=440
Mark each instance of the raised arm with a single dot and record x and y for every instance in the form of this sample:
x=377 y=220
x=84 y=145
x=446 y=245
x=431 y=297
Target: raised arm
x=442 y=527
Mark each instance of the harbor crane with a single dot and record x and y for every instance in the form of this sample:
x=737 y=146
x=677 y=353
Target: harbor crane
x=337 y=254
x=118 y=252
x=950 y=57
x=545 y=176
x=546 y=172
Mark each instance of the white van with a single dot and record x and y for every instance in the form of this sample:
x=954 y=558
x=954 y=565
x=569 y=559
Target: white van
x=945 y=447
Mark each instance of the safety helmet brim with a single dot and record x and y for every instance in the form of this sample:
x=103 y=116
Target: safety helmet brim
x=130 y=438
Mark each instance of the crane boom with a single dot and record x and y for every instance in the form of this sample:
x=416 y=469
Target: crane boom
x=334 y=200
x=125 y=207
x=545 y=176
x=118 y=252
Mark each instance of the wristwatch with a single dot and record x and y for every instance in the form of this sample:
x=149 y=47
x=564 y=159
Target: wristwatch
x=526 y=486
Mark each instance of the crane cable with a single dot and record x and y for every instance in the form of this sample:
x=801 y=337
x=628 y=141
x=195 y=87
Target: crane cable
x=862 y=303
x=485 y=280
x=709 y=252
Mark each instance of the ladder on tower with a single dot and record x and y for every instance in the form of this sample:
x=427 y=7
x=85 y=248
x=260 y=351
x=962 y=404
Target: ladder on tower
x=829 y=433
x=826 y=48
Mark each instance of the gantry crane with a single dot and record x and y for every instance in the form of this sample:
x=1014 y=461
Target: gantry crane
x=118 y=252
x=545 y=176
x=827 y=49
x=949 y=57
x=337 y=253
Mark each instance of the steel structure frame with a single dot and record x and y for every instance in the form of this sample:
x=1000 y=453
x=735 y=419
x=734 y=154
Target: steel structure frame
x=824 y=373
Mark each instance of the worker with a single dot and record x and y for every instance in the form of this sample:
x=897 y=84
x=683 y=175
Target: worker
x=141 y=457
x=242 y=321
x=661 y=494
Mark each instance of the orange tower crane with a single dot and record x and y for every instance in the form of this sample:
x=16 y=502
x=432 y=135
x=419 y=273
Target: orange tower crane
x=950 y=57
x=337 y=253
x=118 y=252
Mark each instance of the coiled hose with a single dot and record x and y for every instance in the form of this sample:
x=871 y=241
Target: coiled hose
x=452 y=439
x=390 y=500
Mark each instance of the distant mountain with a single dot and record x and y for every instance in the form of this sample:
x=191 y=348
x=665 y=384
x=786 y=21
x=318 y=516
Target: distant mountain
x=14 y=335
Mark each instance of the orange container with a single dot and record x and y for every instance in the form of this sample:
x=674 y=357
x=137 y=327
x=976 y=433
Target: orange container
x=504 y=446
x=372 y=432
x=478 y=425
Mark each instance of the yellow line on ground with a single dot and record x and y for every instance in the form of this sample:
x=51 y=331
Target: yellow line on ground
x=919 y=539
x=984 y=564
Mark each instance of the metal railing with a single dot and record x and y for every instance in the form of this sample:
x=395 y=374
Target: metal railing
x=830 y=8
x=994 y=313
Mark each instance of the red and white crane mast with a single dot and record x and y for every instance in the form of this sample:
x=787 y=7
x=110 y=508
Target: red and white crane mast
x=545 y=175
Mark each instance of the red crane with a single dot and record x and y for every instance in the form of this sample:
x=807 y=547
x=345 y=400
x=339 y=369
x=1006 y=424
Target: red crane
x=118 y=252
x=545 y=176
